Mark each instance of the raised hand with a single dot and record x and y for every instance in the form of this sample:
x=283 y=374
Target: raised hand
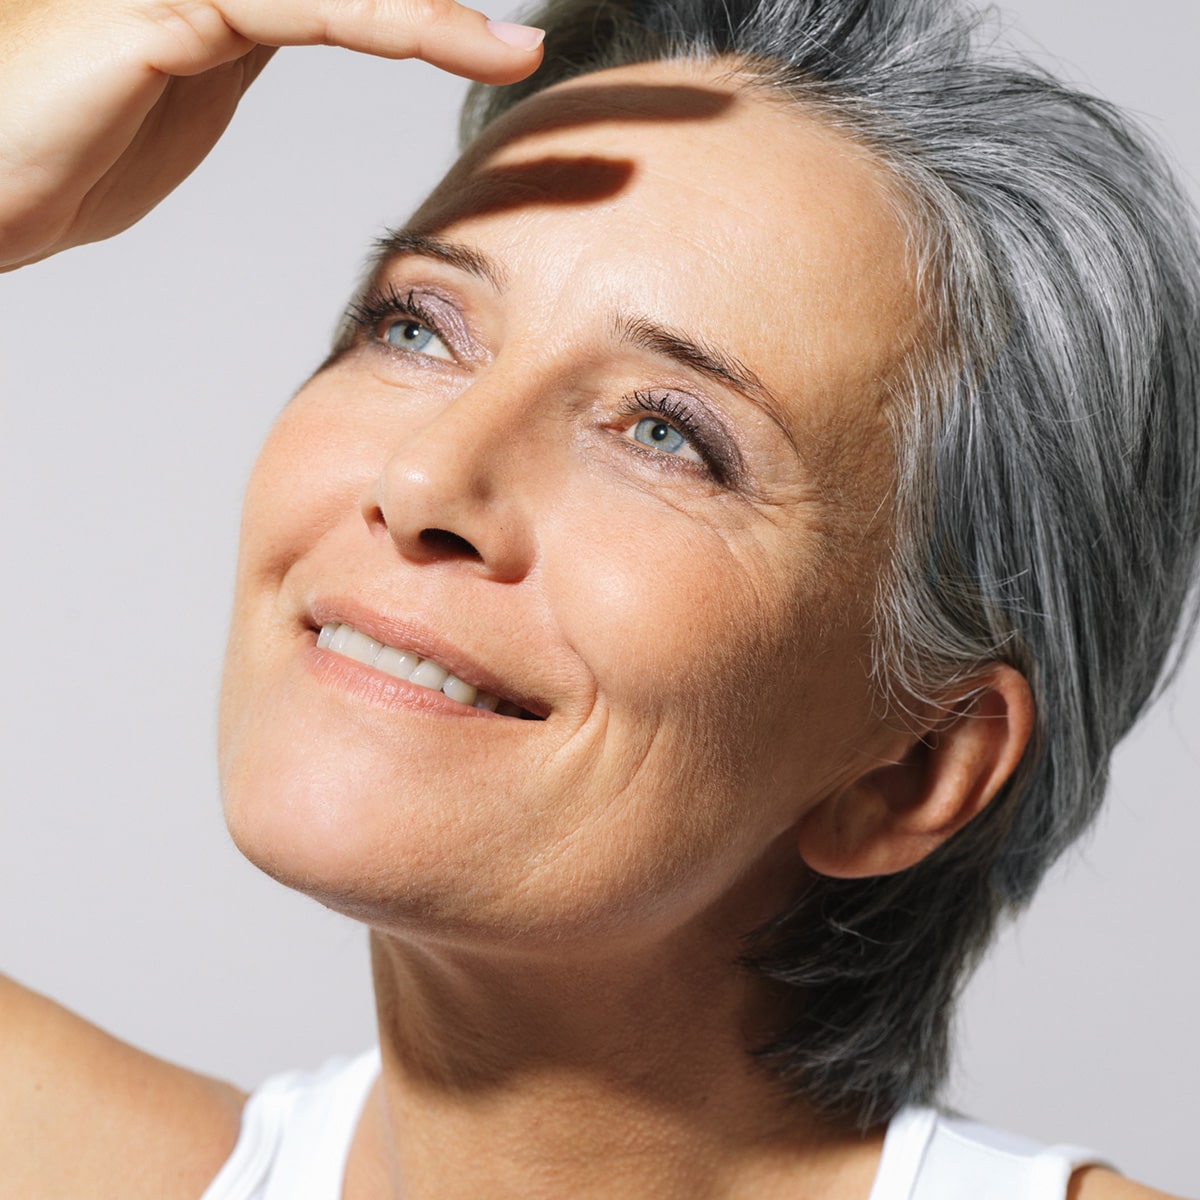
x=107 y=105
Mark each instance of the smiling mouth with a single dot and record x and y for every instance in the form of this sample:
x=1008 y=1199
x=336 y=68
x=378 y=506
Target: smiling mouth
x=346 y=641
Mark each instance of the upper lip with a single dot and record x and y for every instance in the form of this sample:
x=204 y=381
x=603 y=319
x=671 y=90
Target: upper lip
x=404 y=633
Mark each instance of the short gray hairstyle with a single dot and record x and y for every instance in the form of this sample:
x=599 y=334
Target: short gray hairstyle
x=1047 y=505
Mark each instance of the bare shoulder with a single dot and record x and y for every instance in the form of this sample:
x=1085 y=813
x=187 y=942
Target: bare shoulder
x=1094 y=1183
x=82 y=1113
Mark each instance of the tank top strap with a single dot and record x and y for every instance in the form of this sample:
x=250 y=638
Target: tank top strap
x=296 y=1134
x=310 y=1162
x=904 y=1147
x=929 y=1155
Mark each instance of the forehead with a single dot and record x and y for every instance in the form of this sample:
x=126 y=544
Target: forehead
x=680 y=191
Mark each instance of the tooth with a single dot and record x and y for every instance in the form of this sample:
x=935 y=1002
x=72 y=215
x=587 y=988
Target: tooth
x=428 y=674
x=508 y=709
x=403 y=664
x=399 y=663
x=360 y=648
x=454 y=687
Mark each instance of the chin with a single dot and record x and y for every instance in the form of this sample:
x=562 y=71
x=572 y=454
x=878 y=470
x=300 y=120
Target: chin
x=402 y=853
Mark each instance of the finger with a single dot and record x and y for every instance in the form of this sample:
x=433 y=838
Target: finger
x=441 y=32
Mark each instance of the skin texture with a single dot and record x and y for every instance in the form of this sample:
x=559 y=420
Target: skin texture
x=556 y=904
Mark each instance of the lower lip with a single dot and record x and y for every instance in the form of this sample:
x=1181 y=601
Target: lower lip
x=386 y=691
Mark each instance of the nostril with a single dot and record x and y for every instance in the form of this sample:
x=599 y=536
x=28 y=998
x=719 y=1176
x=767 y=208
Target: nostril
x=445 y=542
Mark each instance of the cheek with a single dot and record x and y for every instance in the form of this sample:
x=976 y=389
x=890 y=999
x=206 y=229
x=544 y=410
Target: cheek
x=719 y=652
x=304 y=483
x=722 y=710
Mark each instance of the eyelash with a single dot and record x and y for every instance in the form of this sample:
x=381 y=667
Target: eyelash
x=676 y=413
x=382 y=304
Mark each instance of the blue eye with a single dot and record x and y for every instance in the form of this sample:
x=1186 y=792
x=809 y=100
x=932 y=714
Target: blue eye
x=662 y=435
x=413 y=335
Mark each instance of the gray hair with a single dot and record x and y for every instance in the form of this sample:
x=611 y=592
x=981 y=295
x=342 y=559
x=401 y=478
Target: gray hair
x=1047 y=502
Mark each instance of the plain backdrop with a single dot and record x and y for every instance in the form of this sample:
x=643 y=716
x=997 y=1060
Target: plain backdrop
x=137 y=378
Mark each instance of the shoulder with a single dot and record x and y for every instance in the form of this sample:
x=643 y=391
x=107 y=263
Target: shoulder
x=77 y=1104
x=1094 y=1183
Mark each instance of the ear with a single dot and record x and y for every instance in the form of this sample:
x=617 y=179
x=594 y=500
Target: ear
x=893 y=815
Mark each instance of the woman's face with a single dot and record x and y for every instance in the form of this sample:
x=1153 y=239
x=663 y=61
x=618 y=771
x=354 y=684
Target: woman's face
x=609 y=442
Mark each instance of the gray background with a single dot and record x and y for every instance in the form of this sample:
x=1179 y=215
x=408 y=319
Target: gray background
x=136 y=380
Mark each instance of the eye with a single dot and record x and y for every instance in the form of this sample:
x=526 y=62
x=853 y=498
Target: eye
x=412 y=335
x=405 y=320
x=661 y=435
x=679 y=428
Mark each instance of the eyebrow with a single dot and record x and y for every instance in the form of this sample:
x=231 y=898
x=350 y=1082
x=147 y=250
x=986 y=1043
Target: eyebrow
x=703 y=357
x=402 y=241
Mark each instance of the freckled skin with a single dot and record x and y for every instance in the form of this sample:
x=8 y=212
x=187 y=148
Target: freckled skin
x=702 y=648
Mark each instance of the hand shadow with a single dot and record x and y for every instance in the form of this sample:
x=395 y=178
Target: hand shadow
x=557 y=179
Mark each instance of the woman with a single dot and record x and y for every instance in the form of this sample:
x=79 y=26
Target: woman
x=691 y=575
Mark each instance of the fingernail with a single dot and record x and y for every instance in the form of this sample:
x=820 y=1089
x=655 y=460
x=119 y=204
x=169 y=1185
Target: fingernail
x=523 y=37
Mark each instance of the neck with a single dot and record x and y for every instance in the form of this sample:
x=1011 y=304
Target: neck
x=546 y=1076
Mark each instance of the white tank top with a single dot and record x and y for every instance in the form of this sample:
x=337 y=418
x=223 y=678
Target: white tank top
x=297 y=1129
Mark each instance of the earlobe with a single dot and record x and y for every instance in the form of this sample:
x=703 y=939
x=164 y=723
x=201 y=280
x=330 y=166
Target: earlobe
x=933 y=782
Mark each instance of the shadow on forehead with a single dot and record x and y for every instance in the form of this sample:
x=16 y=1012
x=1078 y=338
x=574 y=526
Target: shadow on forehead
x=470 y=191
x=550 y=180
x=594 y=103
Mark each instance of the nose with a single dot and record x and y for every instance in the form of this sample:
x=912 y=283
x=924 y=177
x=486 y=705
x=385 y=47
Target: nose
x=455 y=489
